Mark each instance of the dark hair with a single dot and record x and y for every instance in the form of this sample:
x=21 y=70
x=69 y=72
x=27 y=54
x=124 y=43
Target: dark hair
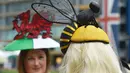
x=22 y=56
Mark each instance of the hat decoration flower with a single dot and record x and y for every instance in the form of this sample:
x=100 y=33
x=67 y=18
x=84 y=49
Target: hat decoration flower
x=33 y=34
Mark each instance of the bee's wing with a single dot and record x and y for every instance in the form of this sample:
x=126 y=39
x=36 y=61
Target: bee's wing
x=65 y=7
x=50 y=13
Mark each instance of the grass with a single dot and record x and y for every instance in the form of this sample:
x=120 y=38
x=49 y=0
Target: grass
x=54 y=72
x=8 y=71
x=15 y=71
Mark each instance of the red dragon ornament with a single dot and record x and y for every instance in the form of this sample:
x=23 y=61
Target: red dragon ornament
x=31 y=29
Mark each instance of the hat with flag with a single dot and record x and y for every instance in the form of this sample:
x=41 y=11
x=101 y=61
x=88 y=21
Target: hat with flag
x=31 y=35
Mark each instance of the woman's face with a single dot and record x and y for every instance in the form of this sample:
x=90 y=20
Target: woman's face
x=35 y=61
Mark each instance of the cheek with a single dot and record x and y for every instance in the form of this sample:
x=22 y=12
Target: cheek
x=44 y=65
x=28 y=66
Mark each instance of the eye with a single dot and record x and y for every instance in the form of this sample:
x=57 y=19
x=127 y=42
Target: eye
x=41 y=57
x=29 y=58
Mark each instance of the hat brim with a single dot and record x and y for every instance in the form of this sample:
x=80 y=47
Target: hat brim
x=24 y=44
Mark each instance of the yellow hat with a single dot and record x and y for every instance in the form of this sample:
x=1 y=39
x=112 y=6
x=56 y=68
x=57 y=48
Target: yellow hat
x=89 y=33
x=85 y=33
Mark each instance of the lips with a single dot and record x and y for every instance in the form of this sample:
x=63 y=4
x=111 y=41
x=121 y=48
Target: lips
x=36 y=69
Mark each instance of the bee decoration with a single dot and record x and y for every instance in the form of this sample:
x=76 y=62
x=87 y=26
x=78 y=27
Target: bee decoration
x=54 y=8
x=79 y=38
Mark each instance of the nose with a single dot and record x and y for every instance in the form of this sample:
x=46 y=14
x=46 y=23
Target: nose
x=36 y=62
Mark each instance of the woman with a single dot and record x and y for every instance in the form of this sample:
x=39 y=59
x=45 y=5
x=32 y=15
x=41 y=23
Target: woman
x=34 y=55
x=34 y=61
x=91 y=54
x=88 y=49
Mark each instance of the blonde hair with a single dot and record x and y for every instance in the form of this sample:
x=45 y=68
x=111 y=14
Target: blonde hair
x=95 y=57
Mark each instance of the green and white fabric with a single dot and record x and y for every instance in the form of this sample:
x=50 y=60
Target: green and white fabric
x=36 y=43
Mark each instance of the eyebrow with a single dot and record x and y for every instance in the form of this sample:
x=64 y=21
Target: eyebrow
x=41 y=54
